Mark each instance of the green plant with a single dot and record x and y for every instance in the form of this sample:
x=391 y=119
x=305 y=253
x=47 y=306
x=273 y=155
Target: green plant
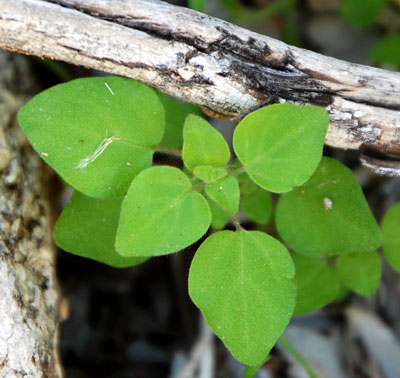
x=100 y=134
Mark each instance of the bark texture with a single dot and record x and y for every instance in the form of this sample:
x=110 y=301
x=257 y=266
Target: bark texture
x=226 y=69
x=28 y=290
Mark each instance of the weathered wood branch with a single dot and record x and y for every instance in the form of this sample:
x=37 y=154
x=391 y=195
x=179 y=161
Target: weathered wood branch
x=29 y=297
x=224 y=68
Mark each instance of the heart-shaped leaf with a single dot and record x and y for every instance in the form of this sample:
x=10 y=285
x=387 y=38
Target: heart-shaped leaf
x=281 y=145
x=97 y=133
x=161 y=214
x=328 y=215
x=243 y=284
x=87 y=227
x=203 y=145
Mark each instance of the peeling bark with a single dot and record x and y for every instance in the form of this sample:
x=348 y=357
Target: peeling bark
x=28 y=290
x=227 y=70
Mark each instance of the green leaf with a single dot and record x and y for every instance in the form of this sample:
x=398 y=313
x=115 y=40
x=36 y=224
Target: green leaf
x=243 y=284
x=203 y=145
x=219 y=217
x=161 y=214
x=361 y=13
x=208 y=173
x=360 y=271
x=256 y=203
x=225 y=192
x=175 y=115
x=391 y=236
x=317 y=284
x=197 y=5
x=387 y=50
x=87 y=227
x=281 y=145
x=328 y=215
x=97 y=133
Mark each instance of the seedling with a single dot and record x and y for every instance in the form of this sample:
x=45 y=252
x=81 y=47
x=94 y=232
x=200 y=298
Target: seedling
x=100 y=134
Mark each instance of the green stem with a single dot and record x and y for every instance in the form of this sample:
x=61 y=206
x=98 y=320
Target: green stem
x=236 y=222
x=284 y=342
x=168 y=150
x=237 y=172
x=250 y=371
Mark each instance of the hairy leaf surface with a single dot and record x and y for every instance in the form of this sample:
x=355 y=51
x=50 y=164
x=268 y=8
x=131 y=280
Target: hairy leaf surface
x=161 y=214
x=281 y=145
x=203 y=145
x=328 y=215
x=225 y=192
x=243 y=284
x=87 y=227
x=97 y=133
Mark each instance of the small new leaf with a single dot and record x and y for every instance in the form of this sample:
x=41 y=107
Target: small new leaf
x=225 y=192
x=203 y=145
x=97 y=133
x=87 y=228
x=281 y=145
x=161 y=214
x=243 y=284
x=328 y=215
x=208 y=173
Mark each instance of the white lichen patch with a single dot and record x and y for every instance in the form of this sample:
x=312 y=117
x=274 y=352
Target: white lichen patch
x=96 y=153
x=327 y=203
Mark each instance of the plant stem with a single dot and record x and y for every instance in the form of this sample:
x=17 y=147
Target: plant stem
x=238 y=171
x=284 y=342
x=169 y=150
x=236 y=222
x=250 y=371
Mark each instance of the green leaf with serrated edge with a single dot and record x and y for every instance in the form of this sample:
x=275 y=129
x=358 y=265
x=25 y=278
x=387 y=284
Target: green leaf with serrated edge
x=360 y=271
x=328 y=215
x=257 y=204
x=175 y=115
x=281 y=145
x=243 y=284
x=317 y=284
x=87 y=228
x=97 y=133
x=225 y=192
x=391 y=236
x=208 y=173
x=361 y=13
x=219 y=217
x=161 y=214
x=203 y=145
x=387 y=50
